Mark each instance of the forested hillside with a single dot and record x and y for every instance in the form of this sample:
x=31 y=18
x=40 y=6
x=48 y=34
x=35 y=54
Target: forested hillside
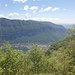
x=59 y=59
x=30 y=31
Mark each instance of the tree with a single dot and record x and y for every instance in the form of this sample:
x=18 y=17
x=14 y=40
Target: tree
x=37 y=56
x=71 y=31
x=13 y=62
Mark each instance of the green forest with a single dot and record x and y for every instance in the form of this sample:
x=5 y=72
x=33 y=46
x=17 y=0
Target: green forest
x=59 y=59
x=29 y=31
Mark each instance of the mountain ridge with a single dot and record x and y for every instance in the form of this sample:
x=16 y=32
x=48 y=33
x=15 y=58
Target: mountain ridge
x=30 y=31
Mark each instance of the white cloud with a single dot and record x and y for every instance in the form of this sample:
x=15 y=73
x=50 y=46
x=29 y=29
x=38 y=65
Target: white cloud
x=41 y=19
x=41 y=10
x=45 y=19
x=2 y=16
x=33 y=8
x=24 y=16
x=47 y=9
x=13 y=14
x=56 y=19
x=54 y=9
x=26 y=7
x=64 y=9
x=34 y=11
x=27 y=15
x=21 y=1
x=36 y=0
x=6 y=5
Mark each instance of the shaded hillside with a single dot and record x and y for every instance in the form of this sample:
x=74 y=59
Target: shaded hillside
x=30 y=31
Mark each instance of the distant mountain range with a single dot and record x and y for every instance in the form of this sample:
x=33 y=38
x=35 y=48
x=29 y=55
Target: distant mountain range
x=68 y=25
x=30 y=31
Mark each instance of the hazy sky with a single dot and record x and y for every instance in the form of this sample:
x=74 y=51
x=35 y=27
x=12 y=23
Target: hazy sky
x=57 y=11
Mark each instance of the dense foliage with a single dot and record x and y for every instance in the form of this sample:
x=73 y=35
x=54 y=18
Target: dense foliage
x=30 y=31
x=36 y=62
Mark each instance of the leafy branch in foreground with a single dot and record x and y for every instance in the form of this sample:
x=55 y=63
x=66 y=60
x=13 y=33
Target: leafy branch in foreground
x=61 y=61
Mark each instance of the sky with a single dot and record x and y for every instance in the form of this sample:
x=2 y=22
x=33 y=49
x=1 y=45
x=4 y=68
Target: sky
x=56 y=11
